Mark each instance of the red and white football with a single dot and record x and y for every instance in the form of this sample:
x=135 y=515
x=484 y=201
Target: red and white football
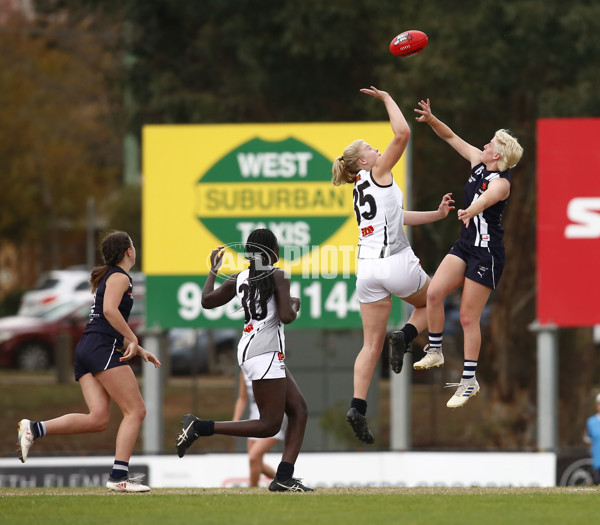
x=408 y=43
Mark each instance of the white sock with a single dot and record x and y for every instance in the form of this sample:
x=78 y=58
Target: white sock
x=469 y=369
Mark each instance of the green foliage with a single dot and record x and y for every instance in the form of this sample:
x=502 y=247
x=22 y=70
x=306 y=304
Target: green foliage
x=124 y=212
x=228 y=61
x=57 y=146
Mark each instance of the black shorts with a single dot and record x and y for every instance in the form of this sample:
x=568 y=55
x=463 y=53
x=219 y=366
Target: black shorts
x=484 y=265
x=96 y=352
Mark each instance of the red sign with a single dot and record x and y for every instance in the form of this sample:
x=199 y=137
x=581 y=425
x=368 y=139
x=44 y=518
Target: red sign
x=568 y=221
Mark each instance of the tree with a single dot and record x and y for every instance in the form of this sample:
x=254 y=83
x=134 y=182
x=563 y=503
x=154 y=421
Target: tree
x=59 y=146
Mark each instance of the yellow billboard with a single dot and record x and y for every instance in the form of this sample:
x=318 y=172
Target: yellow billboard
x=211 y=185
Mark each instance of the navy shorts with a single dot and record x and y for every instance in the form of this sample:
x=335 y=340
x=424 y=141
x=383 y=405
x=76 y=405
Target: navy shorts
x=96 y=352
x=484 y=265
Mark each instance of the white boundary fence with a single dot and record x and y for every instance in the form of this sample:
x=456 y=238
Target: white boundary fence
x=357 y=469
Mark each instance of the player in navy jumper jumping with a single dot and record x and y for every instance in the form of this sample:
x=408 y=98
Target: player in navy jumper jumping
x=476 y=260
x=105 y=347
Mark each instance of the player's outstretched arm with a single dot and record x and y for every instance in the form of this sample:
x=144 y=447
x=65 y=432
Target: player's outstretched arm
x=415 y=218
x=389 y=158
x=471 y=153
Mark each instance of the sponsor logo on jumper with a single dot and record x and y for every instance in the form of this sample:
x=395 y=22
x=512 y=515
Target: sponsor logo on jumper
x=368 y=230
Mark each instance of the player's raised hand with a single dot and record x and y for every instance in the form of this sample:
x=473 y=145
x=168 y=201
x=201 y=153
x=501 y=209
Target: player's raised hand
x=425 y=114
x=374 y=92
x=216 y=258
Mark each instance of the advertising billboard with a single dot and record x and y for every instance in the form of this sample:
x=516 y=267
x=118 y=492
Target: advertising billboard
x=211 y=185
x=568 y=221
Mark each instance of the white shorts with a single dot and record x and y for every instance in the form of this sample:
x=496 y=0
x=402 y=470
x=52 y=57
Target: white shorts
x=265 y=366
x=399 y=274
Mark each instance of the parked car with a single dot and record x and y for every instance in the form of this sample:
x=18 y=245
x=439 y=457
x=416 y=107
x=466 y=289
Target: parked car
x=29 y=341
x=189 y=350
x=66 y=286
x=55 y=287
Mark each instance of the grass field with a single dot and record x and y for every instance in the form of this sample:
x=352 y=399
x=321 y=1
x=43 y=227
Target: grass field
x=485 y=506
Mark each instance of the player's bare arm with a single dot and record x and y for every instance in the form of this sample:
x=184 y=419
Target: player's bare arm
x=470 y=153
x=211 y=297
x=389 y=158
x=498 y=190
x=415 y=218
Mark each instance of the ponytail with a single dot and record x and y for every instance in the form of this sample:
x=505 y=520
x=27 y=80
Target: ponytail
x=261 y=252
x=98 y=274
x=345 y=167
x=113 y=249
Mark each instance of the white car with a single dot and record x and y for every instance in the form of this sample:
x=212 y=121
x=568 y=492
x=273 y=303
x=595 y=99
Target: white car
x=65 y=286
x=56 y=287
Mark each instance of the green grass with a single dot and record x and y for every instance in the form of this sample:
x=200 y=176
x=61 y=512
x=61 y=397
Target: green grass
x=485 y=506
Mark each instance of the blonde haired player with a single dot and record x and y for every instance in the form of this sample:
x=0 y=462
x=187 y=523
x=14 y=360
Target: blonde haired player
x=476 y=260
x=386 y=262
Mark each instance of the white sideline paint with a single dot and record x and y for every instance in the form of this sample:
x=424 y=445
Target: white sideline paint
x=368 y=469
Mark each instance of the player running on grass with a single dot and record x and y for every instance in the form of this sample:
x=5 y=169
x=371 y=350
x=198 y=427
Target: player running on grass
x=476 y=260
x=264 y=292
x=104 y=349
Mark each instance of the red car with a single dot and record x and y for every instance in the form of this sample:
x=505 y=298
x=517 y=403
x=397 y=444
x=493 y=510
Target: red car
x=29 y=342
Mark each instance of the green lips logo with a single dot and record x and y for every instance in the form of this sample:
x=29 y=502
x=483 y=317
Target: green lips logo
x=284 y=186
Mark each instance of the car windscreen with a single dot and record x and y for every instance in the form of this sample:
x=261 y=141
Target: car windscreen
x=47 y=284
x=58 y=311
